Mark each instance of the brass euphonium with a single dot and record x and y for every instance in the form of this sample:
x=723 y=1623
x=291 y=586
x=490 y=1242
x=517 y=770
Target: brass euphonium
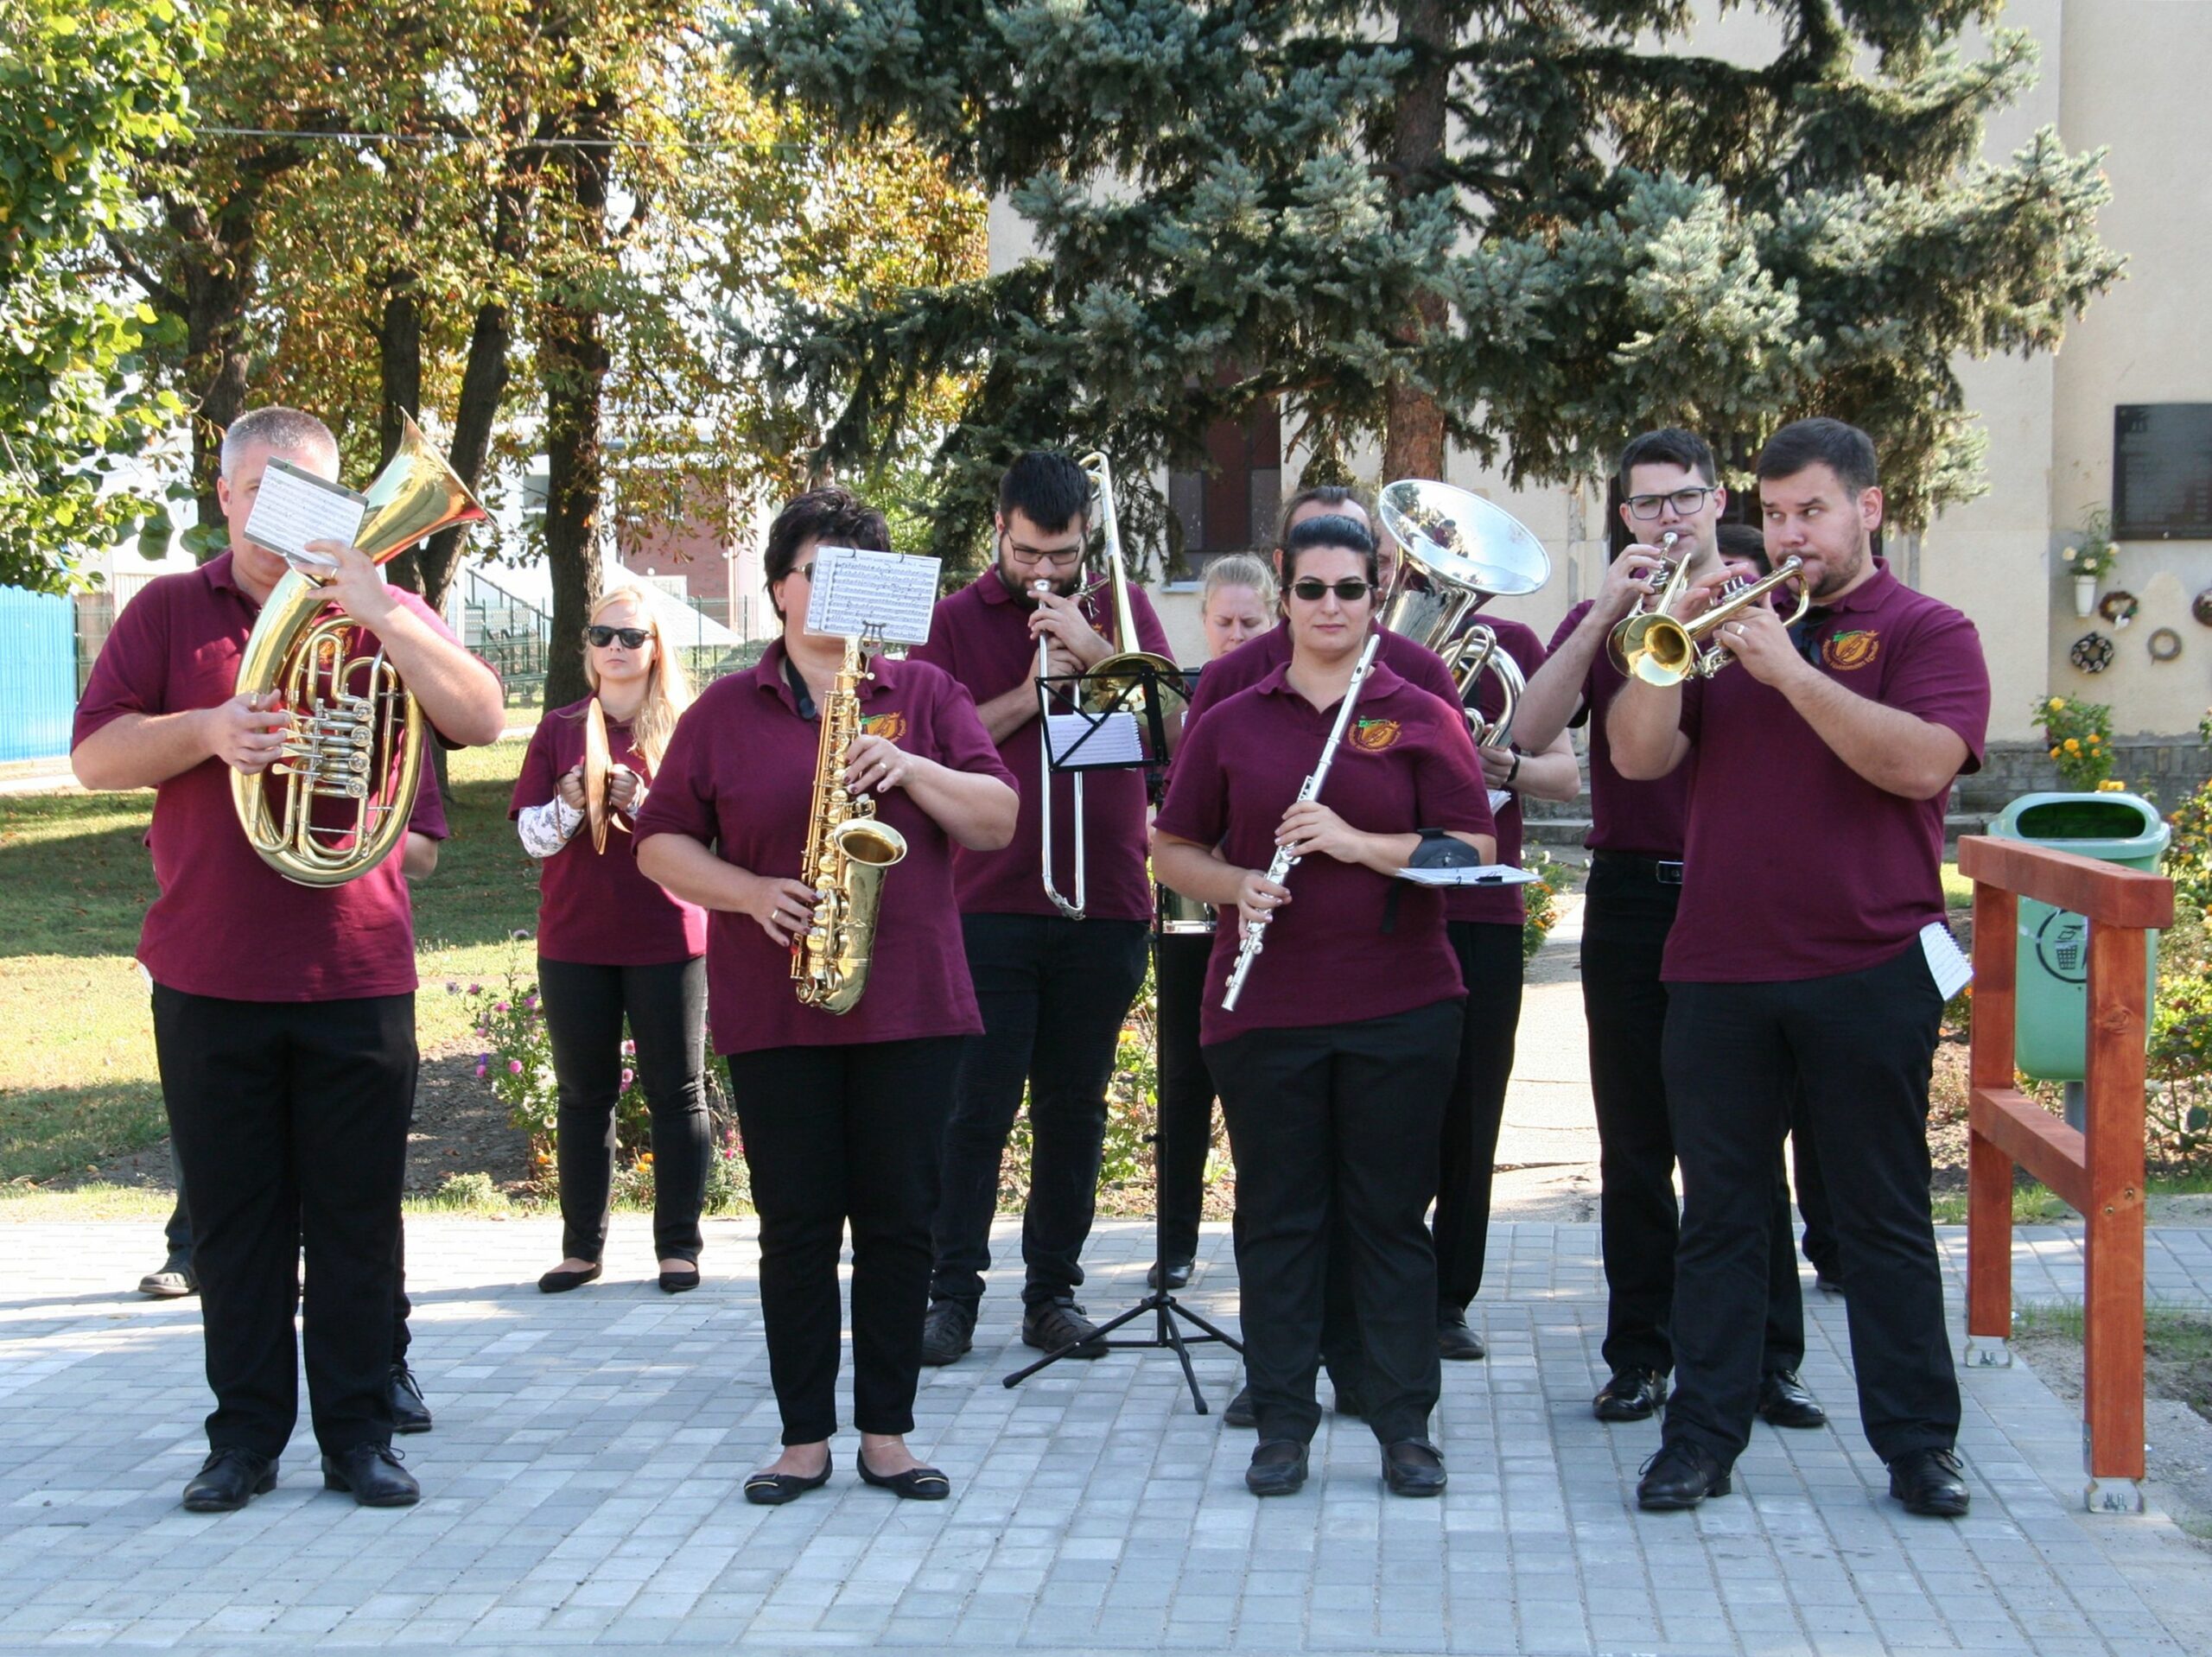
x=847 y=853
x=1455 y=548
x=355 y=734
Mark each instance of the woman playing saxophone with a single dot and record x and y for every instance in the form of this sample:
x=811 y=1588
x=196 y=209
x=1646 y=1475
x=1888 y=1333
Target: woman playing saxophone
x=841 y=1108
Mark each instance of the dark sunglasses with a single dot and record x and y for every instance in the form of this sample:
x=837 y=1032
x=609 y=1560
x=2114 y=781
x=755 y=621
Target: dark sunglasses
x=1312 y=589
x=633 y=638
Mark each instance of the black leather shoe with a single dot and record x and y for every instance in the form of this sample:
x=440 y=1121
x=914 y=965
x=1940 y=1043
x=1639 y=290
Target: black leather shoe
x=1059 y=1325
x=1413 y=1467
x=229 y=1479
x=1931 y=1483
x=409 y=1412
x=373 y=1474
x=1278 y=1468
x=175 y=1281
x=1454 y=1340
x=1784 y=1401
x=773 y=1489
x=1179 y=1273
x=1827 y=1285
x=1680 y=1475
x=948 y=1331
x=559 y=1282
x=1634 y=1394
x=915 y=1484
x=1240 y=1412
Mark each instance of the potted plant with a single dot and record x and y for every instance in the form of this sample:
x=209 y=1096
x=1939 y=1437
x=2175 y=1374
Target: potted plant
x=2090 y=559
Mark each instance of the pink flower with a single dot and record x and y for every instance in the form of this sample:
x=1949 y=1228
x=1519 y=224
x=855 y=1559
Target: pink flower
x=628 y=1077
x=500 y=1007
x=514 y=1067
x=530 y=1001
x=476 y=989
x=479 y=1072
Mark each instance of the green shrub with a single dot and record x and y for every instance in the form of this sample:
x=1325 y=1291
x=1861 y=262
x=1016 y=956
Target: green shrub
x=2079 y=735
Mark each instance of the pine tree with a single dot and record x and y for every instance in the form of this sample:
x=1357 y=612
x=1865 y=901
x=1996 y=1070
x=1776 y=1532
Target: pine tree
x=1530 y=229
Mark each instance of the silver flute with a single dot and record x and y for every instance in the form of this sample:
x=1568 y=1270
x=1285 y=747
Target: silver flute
x=1247 y=951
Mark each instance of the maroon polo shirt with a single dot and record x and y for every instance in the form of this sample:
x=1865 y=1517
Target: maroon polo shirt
x=1645 y=819
x=1337 y=953
x=1848 y=874
x=595 y=906
x=739 y=776
x=1419 y=666
x=980 y=637
x=226 y=924
x=428 y=819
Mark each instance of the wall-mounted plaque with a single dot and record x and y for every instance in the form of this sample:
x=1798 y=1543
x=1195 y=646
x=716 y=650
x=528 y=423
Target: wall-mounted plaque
x=2162 y=472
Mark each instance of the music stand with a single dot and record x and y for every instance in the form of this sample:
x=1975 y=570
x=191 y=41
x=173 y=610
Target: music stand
x=1162 y=1301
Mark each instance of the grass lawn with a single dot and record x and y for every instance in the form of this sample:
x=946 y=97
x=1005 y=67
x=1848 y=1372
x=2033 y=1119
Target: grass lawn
x=78 y=1083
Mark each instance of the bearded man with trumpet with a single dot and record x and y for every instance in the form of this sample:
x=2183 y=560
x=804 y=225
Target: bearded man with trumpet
x=1054 y=979
x=1671 y=503
x=284 y=1013
x=1809 y=952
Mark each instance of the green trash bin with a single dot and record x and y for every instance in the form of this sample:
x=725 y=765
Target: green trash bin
x=2050 y=1030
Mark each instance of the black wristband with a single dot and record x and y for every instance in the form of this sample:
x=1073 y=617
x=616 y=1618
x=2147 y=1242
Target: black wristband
x=1513 y=771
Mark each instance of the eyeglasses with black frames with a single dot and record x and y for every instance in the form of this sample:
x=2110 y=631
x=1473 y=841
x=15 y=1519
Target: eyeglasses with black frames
x=1684 y=501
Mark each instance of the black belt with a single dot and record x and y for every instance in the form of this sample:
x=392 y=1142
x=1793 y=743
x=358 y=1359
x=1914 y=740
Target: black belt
x=1664 y=871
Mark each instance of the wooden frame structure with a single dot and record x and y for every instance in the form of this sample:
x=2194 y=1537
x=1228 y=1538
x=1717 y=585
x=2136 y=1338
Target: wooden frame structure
x=2099 y=1171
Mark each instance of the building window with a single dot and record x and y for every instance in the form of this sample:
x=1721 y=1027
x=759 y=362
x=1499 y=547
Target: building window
x=1230 y=504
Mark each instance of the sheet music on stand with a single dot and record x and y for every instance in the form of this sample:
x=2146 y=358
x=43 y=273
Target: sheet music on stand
x=887 y=596
x=1117 y=737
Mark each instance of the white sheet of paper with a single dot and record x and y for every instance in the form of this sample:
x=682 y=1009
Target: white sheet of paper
x=1475 y=874
x=1499 y=799
x=1116 y=740
x=293 y=507
x=1947 y=963
x=885 y=595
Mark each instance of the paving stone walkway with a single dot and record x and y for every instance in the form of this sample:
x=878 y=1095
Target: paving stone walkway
x=583 y=1489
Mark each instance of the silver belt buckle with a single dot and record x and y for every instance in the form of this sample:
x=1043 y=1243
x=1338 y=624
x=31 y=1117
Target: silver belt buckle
x=1668 y=871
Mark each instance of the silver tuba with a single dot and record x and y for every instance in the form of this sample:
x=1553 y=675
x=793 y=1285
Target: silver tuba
x=1454 y=549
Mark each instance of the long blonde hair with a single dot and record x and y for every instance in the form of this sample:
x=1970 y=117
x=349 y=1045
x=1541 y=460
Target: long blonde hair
x=668 y=686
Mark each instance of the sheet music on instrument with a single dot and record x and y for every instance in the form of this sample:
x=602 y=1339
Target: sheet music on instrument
x=884 y=595
x=293 y=507
x=1115 y=740
x=1471 y=874
x=1947 y=963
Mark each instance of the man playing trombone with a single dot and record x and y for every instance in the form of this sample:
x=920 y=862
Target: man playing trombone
x=1054 y=977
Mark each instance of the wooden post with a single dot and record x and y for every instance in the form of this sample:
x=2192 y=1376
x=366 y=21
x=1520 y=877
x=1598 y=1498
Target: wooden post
x=1989 y=1170
x=2112 y=1333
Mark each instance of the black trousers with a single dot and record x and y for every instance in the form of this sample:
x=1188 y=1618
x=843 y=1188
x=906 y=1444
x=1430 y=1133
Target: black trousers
x=1053 y=994
x=1626 y=915
x=1490 y=963
x=289 y=1120
x=1334 y=1130
x=666 y=1004
x=837 y=1136
x=1186 y=1090
x=1861 y=1044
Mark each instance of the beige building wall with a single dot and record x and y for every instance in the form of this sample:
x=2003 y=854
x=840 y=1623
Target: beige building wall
x=2128 y=75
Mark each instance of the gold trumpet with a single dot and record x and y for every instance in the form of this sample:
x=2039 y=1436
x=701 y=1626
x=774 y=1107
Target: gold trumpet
x=1661 y=650
x=355 y=733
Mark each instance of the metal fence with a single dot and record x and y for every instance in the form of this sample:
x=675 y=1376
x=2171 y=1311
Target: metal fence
x=38 y=674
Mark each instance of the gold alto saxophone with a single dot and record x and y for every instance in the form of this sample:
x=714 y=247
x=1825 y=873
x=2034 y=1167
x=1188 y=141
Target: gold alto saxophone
x=847 y=853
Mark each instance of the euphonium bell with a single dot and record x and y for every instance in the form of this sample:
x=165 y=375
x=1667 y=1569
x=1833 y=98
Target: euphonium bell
x=335 y=804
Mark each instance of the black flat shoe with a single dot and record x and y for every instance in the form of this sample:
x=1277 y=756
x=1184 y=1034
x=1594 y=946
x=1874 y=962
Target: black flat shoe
x=229 y=1479
x=773 y=1489
x=1278 y=1468
x=1634 y=1394
x=1413 y=1467
x=1240 y=1412
x=915 y=1484
x=173 y=1282
x=404 y=1394
x=558 y=1282
x=1680 y=1475
x=678 y=1282
x=1784 y=1401
x=1454 y=1340
x=1179 y=1273
x=1931 y=1483
x=374 y=1475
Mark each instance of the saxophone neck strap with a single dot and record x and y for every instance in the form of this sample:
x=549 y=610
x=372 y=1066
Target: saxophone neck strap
x=801 y=696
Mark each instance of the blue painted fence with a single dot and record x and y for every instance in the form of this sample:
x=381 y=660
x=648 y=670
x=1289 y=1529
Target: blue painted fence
x=38 y=674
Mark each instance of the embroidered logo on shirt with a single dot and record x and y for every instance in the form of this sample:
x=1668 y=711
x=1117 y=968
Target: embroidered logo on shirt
x=1844 y=651
x=890 y=726
x=1374 y=734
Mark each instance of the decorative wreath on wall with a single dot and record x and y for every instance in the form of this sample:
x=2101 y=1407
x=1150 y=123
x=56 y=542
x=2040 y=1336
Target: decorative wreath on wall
x=2164 y=644
x=2092 y=653
x=2202 y=608
x=2118 y=606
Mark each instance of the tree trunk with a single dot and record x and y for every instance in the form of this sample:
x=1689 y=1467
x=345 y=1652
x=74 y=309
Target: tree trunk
x=1413 y=433
x=399 y=369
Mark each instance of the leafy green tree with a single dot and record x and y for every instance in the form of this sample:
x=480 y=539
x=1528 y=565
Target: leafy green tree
x=1529 y=230
x=83 y=86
